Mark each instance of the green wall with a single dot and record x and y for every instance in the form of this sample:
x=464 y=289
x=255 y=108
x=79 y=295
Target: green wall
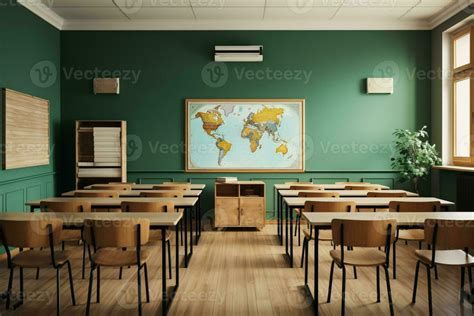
x=348 y=131
x=28 y=45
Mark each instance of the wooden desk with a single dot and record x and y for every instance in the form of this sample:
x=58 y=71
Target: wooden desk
x=371 y=203
x=323 y=221
x=330 y=186
x=344 y=193
x=187 y=204
x=135 y=193
x=161 y=221
x=149 y=186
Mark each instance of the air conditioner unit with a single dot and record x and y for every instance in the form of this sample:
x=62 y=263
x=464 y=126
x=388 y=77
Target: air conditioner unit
x=238 y=53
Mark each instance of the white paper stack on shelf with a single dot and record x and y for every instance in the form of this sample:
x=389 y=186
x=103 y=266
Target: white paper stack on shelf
x=99 y=172
x=107 y=147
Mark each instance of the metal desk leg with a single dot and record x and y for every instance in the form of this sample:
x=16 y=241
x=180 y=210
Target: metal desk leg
x=191 y=242
x=199 y=220
x=279 y=227
x=286 y=227
x=316 y=269
x=185 y=219
x=291 y=236
x=164 y=294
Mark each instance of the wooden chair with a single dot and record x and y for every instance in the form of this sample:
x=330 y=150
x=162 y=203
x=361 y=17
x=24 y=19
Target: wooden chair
x=30 y=234
x=324 y=235
x=411 y=234
x=297 y=183
x=369 y=235
x=312 y=187
x=363 y=187
x=68 y=235
x=325 y=194
x=154 y=207
x=128 y=183
x=382 y=194
x=455 y=238
x=353 y=183
x=180 y=187
x=108 y=239
x=177 y=183
x=112 y=187
x=104 y=194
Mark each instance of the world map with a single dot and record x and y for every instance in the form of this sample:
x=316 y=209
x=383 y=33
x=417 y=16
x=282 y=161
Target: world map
x=249 y=136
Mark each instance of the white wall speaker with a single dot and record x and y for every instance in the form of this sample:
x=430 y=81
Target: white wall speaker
x=379 y=85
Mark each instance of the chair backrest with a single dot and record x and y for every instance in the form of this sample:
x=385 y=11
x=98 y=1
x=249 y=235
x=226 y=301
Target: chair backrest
x=450 y=234
x=296 y=183
x=127 y=183
x=147 y=207
x=363 y=233
x=336 y=206
x=382 y=194
x=353 y=183
x=325 y=194
x=116 y=233
x=178 y=187
x=177 y=183
x=112 y=187
x=362 y=187
x=414 y=206
x=105 y=194
x=307 y=187
x=66 y=206
x=31 y=233
x=170 y=194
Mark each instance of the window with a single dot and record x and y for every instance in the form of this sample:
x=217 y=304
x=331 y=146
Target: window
x=463 y=96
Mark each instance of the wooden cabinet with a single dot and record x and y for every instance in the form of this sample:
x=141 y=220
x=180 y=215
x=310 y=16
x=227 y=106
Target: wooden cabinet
x=240 y=204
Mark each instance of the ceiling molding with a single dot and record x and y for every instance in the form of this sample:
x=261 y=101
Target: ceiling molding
x=450 y=12
x=44 y=12
x=239 y=25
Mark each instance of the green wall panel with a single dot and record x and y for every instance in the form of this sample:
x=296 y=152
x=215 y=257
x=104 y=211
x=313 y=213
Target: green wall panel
x=15 y=200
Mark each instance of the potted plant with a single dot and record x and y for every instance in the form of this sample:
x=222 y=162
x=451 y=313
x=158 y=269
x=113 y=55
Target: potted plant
x=415 y=156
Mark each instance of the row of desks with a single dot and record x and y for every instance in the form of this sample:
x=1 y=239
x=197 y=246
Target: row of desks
x=190 y=204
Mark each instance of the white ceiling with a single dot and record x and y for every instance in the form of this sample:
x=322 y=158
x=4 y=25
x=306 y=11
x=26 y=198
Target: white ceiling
x=245 y=14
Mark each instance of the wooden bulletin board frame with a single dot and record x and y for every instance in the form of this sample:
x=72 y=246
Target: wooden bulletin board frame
x=26 y=130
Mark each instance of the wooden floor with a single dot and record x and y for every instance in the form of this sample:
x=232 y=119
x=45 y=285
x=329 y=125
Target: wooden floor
x=241 y=273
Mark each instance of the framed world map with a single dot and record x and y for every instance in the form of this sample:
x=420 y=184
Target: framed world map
x=244 y=135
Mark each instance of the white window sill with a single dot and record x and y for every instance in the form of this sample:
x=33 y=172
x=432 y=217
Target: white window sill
x=455 y=168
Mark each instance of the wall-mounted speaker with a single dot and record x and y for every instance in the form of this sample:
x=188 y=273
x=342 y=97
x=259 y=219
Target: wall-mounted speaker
x=106 y=85
x=379 y=85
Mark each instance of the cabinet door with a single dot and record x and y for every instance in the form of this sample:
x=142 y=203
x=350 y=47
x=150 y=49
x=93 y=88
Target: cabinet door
x=227 y=212
x=252 y=212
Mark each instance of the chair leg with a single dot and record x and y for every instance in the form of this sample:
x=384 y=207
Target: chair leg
x=98 y=285
x=62 y=245
x=415 y=286
x=331 y=274
x=461 y=291
x=471 y=285
x=71 y=283
x=355 y=271
x=169 y=258
x=296 y=224
x=147 y=288
x=83 y=260
x=436 y=271
x=306 y=259
x=299 y=230
x=21 y=286
x=37 y=273
x=430 y=303
x=343 y=302
x=389 y=291
x=89 y=293
x=139 y=284
x=182 y=233
x=58 y=291
x=378 y=284
x=302 y=252
x=395 y=260
x=9 y=290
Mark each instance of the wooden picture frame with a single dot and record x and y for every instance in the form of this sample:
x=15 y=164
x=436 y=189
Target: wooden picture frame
x=26 y=130
x=282 y=146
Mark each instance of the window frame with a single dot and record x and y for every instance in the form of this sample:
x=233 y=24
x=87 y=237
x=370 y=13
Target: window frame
x=458 y=74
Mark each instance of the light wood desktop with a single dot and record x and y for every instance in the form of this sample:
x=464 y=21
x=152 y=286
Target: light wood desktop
x=149 y=186
x=136 y=193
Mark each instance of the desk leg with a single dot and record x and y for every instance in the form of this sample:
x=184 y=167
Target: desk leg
x=279 y=227
x=185 y=211
x=286 y=227
x=32 y=209
x=291 y=236
x=164 y=294
x=191 y=242
x=316 y=270
x=177 y=258
x=199 y=220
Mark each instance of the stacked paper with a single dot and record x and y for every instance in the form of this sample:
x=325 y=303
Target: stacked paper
x=107 y=145
x=99 y=172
